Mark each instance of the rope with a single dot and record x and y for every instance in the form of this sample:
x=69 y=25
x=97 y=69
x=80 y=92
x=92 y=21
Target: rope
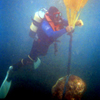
x=69 y=64
x=67 y=77
x=69 y=55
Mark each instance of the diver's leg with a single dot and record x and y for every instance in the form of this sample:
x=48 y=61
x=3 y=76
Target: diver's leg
x=5 y=86
x=35 y=52
x=23 y=62
x=32 y=57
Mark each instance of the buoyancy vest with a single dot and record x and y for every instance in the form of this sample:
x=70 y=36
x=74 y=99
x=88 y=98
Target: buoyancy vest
x=51 y=23
x=55 y=28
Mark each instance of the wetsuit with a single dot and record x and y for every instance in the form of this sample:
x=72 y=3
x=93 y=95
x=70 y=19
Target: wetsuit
x=46 y=36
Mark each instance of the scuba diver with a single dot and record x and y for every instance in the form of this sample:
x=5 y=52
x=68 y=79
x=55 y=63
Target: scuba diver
x=46 y=28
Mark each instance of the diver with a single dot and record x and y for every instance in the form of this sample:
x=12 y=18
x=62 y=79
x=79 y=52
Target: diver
x=44 y=32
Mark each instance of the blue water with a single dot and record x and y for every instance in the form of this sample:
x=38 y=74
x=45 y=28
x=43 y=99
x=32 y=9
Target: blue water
x=15 y=44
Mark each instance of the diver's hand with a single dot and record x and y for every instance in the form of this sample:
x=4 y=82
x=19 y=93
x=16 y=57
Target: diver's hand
x=79 y=23
x=69 y=29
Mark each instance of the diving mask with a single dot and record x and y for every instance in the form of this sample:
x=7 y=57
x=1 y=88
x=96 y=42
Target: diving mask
x=57 y=16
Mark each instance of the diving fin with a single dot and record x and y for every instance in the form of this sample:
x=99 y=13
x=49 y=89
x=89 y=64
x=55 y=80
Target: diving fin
x=5 y=87
x=37 y=63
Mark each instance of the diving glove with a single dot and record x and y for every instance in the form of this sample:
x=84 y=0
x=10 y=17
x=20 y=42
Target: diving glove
x=5 y=87
x=69 y=29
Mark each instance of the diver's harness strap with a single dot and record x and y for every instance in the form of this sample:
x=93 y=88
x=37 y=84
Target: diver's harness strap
x=56 y=46
x=36 y=23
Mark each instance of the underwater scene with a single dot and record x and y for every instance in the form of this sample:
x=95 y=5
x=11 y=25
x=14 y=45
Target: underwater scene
x=15 y=44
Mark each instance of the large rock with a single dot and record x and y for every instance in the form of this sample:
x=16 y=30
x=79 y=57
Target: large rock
x=74 y=88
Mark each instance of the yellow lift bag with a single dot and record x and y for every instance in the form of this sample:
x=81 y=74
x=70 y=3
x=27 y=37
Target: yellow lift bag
x=73 y=8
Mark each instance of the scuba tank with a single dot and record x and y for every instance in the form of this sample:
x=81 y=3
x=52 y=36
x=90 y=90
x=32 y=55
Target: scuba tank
x=37 y=19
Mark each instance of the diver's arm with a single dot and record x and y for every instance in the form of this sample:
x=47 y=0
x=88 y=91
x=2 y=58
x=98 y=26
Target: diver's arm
x=49 y=31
